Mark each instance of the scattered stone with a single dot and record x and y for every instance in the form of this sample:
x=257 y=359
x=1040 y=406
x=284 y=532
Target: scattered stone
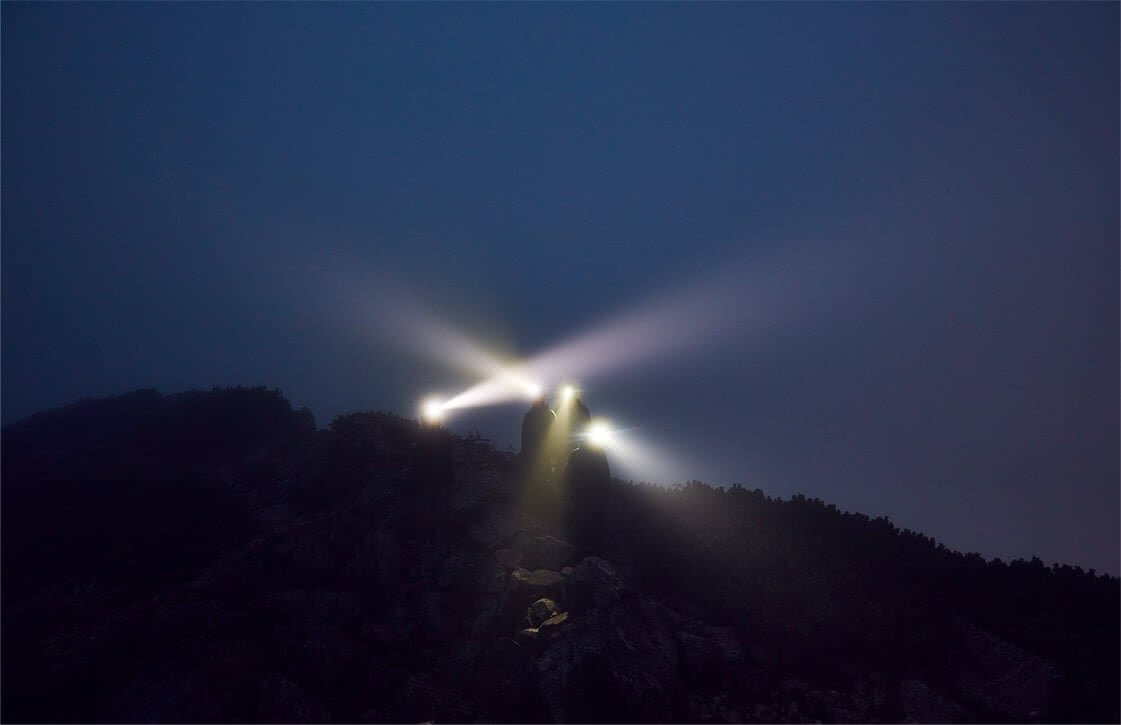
x=553 y=622
x=541 y=610
x=539 y=581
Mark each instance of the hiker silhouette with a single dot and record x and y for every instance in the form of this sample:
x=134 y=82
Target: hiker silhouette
x=580 y=415
x=587 y=479
x=536 y=427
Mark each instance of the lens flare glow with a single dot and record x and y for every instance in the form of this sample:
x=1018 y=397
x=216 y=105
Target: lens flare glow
x=432 y=410
x=600 y=434
x=567 y=393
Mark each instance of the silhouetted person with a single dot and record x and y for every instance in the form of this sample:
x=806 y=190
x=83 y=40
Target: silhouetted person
x=536 y=425
x=581 y=416
x=588 y=484
x=574 y=419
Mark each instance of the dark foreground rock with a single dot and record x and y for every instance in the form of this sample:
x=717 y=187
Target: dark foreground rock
x=274 y=573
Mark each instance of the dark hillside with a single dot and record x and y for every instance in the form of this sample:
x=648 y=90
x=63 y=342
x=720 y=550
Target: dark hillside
x=211 y=556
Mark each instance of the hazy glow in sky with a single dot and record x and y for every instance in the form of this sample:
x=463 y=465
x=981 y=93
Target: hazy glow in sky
x=735 y=304
x=366 y=203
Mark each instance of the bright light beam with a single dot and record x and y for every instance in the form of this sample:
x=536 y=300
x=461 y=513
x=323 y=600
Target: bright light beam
x=412 y=327
x=694 y=319
x=599 y=434
x=743 y=300
x=393 y=316
x=637 y=458
x=686 y=324
x=503 y=387
x=432 y=410
x=633 y=456
x=740 y=302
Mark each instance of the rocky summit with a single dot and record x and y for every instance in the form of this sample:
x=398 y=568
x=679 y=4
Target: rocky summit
x=213 y=557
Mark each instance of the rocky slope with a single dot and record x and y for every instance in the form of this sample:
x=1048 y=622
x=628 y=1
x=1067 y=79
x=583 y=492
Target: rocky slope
x=158 y=570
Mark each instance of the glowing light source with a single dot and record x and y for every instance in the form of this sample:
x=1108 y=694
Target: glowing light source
x=533 y=390
x=432 y=410
x=567 y=393
x=599 y=434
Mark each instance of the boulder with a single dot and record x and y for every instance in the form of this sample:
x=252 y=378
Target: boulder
x=550 y=625
x=541 y=610
x=538 y=583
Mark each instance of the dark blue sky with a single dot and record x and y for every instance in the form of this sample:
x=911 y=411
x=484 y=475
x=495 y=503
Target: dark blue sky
x=195 y=194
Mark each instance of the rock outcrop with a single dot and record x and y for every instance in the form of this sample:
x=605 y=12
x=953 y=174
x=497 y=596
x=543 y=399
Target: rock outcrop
x=337 y=595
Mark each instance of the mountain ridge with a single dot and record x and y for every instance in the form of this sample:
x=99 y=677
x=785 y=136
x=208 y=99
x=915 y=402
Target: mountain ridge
x=291 y=571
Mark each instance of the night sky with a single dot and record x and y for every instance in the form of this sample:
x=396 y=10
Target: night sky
x=903 y=218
